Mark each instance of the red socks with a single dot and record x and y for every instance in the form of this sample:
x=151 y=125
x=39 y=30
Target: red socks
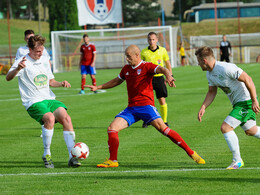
x=94 y=82
x=113 y=144
x=83 y=82
x=177 y=139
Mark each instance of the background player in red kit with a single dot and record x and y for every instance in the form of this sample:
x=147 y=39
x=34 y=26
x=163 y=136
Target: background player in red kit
x=87 y=62
x=138 y=75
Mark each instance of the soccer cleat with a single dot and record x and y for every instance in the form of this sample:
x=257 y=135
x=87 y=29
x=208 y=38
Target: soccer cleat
x=108 y=163
x=197 y=158
x=73 y=162
x=82 y=92
x=236 y=165
x=47 y=161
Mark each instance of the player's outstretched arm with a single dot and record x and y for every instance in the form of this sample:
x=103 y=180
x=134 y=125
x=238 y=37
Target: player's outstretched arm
x=212 y=92
x=110 y=84
x=169 y=78
x=54 y=83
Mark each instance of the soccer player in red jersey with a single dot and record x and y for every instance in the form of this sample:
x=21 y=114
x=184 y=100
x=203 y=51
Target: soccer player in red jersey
x=87 y=62
x=138 y=76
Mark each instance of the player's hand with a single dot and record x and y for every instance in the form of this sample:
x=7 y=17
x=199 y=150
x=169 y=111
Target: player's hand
x=65 y=84
x=255 y=107
x=21 y=64
x=201 y=113
x=92 y=88
x=170 y=81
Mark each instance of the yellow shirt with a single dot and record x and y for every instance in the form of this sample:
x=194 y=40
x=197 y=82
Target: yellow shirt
x=156 y=57
x=182 y=52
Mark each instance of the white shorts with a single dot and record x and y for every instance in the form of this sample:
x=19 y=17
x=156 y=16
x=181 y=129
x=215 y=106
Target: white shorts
x=233 y=122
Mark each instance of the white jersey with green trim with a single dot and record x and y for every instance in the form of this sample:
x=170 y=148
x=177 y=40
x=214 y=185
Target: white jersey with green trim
x=33 y=80
x=224 y=75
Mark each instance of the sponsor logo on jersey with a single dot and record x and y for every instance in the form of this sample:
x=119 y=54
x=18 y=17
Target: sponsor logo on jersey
x=220 y=77
x=41 y=80
x=100 y=9
x=243 y=112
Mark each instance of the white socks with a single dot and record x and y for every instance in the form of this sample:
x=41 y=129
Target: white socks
x=46 y=138
x=69 y=137
x=257 y=135
x=233 y=144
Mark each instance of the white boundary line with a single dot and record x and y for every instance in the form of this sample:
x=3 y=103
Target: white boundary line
x=61 y=95
x=122 y=172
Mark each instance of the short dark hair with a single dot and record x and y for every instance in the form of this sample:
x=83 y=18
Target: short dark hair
x=85 y=35
x=28 y=32
x=36 y=40
x=152 y=33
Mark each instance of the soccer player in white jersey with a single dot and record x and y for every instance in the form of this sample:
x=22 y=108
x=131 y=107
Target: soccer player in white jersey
x=23 y=50
x=241 y=91
x=34 y=79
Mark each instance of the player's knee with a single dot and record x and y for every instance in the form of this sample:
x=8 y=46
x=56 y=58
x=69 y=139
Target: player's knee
x=250 y=132
x=66 y=120
x=48 y=118
x=110 y=128
x=223 y=128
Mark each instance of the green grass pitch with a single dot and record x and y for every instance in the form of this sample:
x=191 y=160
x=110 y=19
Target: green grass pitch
x=149 y=162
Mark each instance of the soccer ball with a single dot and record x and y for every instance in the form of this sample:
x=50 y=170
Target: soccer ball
x=80 y=150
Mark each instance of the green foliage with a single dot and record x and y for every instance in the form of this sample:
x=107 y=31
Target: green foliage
x=225 y=26
x=149 y=162
x=140 y=12
x=63 y=15
x=16 y=8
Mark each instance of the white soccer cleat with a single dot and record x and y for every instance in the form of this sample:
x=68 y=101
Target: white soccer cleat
x=236 y=165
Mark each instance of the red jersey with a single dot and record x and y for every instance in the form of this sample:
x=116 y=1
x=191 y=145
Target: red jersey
x=139 y=83
x=87 y=52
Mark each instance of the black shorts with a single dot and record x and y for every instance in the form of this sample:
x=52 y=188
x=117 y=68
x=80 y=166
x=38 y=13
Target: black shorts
x=224 y=57
x=160 y=87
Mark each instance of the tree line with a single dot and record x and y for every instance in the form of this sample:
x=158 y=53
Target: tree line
x=63 y=14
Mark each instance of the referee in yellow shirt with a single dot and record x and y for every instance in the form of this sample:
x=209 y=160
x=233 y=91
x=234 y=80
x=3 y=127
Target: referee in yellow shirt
x=159 y=56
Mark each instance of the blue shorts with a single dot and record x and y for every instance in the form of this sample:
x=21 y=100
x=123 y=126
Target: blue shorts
x=88 y=70
x=133 y=114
